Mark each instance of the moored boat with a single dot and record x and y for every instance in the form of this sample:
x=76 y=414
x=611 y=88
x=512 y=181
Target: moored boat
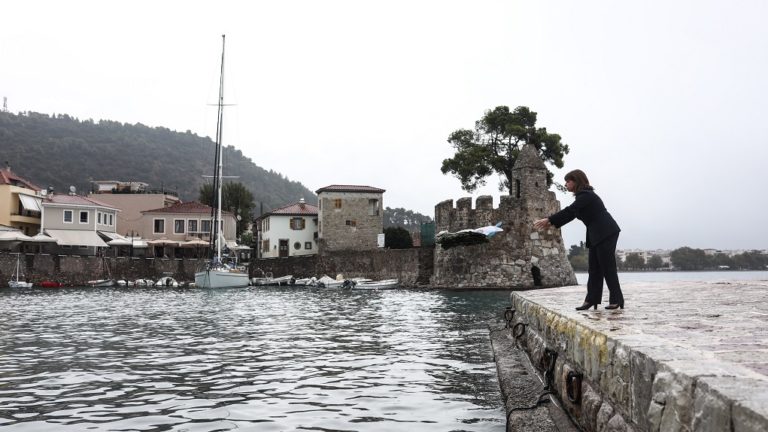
x=377 y=285
x=218 y=274
x=17 y=278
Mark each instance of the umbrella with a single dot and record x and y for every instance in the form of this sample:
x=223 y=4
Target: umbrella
x=162 y=242
x=41 y=238
x=119 y=242
x=194 y=243
x=14 y=236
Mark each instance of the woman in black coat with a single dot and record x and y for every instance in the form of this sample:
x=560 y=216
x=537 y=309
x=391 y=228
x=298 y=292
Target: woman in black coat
x=602 y=235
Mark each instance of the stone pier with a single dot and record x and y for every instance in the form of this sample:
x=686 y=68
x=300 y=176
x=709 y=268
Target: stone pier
x=682 y=356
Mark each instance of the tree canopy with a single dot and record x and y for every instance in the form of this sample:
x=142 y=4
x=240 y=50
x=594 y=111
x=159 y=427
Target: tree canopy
x=494 y=144
x=397 y=238
x=235 y=198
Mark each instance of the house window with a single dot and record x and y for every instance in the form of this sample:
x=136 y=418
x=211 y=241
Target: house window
x=159 y=227
x=178 y=226
x=373 y=207
x=297 y=245
x=352 y=222
x=111 y=220
x=67 y=216
x=307 y=245
x=98 y=217
x=83 y=216
x=191 y=226
x=337 y=203
x=297 y=223
x=205 y=226
x=265 y=245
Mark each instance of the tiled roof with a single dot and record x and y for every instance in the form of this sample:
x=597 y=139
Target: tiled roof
x=75 y=200
x=350 y=188
x=187 y=207
x=298 y=208
x=9 y=178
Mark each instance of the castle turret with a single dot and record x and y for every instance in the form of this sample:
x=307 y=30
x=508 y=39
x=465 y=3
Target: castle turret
x=529 y=175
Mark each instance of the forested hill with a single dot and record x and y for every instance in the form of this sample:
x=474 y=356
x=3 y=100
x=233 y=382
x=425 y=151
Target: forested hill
x=62 y=151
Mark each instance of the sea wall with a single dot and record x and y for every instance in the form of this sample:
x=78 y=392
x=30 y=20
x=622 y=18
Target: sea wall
x=77 y=270
x=413 y=267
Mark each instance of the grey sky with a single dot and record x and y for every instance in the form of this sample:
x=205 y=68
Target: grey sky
x=662 y=103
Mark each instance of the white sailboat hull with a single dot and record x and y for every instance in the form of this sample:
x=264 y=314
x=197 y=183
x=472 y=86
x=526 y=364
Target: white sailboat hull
x=220 y=279
x=19 y=284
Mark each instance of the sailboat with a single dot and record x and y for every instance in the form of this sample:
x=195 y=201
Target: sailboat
x=17 y=279
x=218 y=274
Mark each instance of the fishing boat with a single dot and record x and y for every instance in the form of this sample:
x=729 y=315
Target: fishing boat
x=218 y=274
x=377 y=285
x=17 y=278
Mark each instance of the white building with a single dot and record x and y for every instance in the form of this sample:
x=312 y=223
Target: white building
x=290 y=230
x=75 y=222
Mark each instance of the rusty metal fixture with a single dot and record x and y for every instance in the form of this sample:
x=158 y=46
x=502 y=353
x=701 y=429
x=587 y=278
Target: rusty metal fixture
x=548 y=362
x=509 y=315
x=515 y=332
x=573 y=386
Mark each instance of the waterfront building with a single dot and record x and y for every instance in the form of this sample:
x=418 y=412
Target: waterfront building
x=132 y=198
x=350 y=217
x=19 y=202
x=291 y=230
x=76 y=222
x=184 y=229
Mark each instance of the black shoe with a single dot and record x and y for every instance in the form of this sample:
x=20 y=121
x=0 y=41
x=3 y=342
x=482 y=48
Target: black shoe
x=586 y=306
x=619 y=305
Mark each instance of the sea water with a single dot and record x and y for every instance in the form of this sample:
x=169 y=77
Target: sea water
x=259 y=359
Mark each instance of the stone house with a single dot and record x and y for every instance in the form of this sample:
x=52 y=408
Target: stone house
x=75 y=222
x=350 y=217
x=20 y=202
x=291 y=230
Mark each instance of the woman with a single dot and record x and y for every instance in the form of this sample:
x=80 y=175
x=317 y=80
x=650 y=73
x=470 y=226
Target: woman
x=602 y=235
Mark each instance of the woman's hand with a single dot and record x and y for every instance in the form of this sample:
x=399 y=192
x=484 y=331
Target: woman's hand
x=542 y=223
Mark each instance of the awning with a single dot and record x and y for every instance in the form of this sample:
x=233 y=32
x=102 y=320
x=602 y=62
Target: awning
x=31 y=203
x=112 y=235
x=76 y=238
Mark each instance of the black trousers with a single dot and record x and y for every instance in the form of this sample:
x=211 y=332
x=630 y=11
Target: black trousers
x=602 y=265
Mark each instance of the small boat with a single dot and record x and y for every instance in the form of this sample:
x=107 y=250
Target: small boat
x=121 y=282
x=17 y=279
x=166 y=281
x=377 y=285
x=51 y=284
x=101 y=283
x=328 y=282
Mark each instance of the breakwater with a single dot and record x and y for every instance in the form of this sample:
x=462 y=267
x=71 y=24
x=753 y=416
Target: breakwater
x=683 y=356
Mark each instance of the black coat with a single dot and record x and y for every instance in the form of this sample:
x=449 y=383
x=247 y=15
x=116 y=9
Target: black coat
x=589 y=209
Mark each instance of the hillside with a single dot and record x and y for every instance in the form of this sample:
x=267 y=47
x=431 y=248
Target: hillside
x=61 y=151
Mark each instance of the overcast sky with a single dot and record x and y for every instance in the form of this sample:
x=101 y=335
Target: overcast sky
x=662 y=103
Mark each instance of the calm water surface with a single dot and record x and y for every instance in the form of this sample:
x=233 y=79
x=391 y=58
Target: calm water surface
x=258 y=359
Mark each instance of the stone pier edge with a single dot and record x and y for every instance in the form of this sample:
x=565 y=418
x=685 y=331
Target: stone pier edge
x=640 y=382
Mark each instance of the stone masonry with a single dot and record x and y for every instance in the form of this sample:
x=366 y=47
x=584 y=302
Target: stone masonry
x=350 y=218
x=682 y=356
x=518 y=258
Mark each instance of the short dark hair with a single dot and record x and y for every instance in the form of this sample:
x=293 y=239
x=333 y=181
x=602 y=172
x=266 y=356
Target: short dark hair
x=578 y=177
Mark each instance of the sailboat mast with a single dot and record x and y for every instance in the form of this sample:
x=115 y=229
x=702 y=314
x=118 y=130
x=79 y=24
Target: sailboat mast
x=219 y=134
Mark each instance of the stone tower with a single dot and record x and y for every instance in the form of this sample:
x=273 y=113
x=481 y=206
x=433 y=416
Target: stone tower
x=520 y=257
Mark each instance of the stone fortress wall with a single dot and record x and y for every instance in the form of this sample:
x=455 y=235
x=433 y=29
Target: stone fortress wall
x=519 y=257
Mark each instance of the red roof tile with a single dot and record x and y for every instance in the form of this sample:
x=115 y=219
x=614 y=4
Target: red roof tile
x=75 y=200
x=9 y=178
x=187 y=207
x=350 y=188
x=298 y=208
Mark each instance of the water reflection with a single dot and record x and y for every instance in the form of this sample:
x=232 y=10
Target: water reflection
x=254 y=359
